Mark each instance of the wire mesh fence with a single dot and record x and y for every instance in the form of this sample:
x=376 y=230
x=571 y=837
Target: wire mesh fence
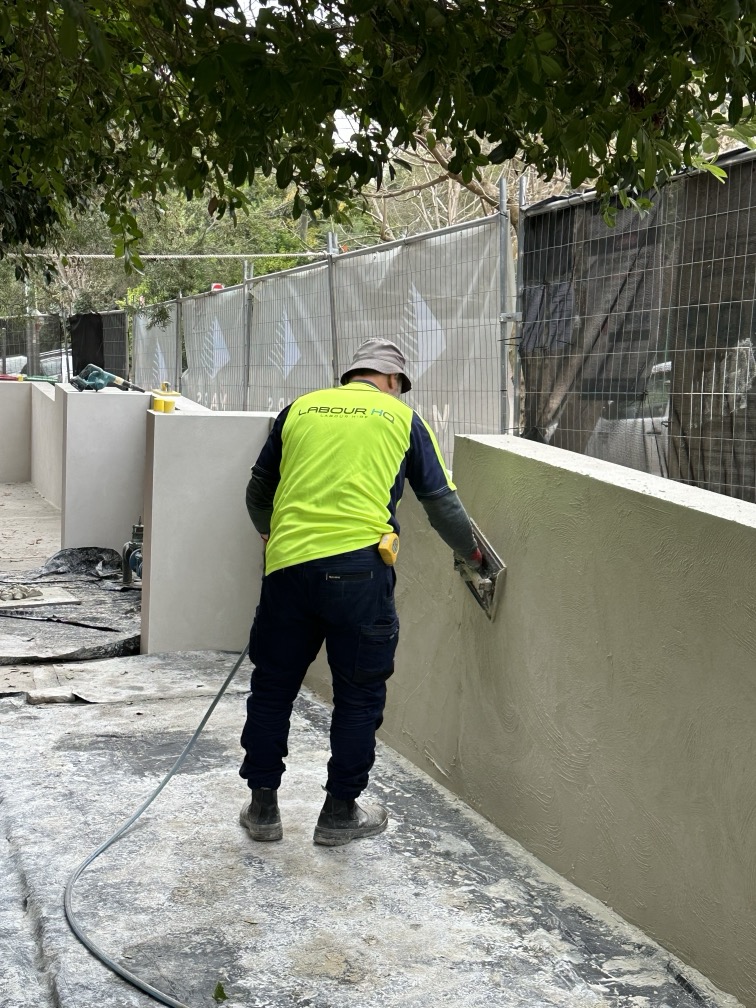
x=261 y=344
x=637 y=341
x=33 y=344
x=52 y=347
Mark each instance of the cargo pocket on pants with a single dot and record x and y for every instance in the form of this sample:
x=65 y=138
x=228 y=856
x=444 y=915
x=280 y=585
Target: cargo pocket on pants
x=253 y=638
x=375 y=652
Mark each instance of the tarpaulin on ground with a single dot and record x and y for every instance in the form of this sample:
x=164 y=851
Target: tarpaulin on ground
x=101 y=620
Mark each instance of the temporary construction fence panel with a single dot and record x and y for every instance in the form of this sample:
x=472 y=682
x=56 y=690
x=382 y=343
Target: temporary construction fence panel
x=291 y=336
x=592 y=332
x=154 y=351
x=99 y=338
x=260 y=345
x=33 y=344
x=115 y=342
x=438 y=299
x=216 y=349
x=636 y=341
x=712 y=428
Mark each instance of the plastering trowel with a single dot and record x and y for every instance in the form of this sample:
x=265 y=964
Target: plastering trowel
x=483 y=583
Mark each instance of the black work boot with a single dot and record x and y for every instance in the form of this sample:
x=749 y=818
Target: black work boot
x=261 y=817
x=341 y=821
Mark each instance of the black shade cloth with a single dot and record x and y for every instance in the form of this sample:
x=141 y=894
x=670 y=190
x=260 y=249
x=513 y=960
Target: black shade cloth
x=86 y=341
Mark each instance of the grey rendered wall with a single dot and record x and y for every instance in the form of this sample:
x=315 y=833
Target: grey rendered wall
x=203 y=558
x=15 y=431
x=606 y=719
x=47 y=442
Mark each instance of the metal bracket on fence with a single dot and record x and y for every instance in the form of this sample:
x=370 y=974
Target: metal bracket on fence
x=511 y=316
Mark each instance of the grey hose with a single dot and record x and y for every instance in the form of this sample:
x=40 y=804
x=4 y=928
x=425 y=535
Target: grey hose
x=104 y=958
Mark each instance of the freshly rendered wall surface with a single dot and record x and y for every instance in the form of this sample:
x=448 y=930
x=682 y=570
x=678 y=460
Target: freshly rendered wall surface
x=15 y=431
x=47 y=442
x=203 y=558
x=103 y=465
x=606 y=718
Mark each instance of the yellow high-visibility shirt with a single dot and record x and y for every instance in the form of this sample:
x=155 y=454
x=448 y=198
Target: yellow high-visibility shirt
x=339 y=457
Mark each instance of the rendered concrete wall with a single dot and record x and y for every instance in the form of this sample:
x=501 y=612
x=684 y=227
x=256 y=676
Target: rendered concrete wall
x=606 y=718
x=15 y=431
x=47 y=442
x=103 y=465
x=203 y=558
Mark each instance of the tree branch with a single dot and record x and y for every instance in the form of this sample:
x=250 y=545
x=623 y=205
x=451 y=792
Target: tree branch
x=408 y=189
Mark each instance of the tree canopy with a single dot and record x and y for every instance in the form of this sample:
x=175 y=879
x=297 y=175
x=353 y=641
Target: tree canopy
x=130 y=99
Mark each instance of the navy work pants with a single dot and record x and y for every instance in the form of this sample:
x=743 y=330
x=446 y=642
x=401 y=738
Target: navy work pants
x=347 y=601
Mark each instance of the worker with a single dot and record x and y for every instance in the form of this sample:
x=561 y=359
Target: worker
x=323 y=495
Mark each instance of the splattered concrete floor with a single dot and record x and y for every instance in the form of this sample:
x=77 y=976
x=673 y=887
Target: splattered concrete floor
x=442 y=909
x=29 y=527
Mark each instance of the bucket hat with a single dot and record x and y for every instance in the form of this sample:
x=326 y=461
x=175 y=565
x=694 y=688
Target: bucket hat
x=381 y=356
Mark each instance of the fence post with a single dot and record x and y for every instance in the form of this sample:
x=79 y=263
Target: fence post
x=179 y=340
x=248 y=309
x=522 y=203
x=333 y=251
x=505 y=320
x=4 y=345
x=66 y=361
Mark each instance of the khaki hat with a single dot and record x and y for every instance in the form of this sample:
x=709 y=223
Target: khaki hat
x=381 y=356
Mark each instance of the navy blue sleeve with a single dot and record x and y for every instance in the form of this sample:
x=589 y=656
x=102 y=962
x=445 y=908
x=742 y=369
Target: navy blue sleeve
x=426 y=471
x=268 y=464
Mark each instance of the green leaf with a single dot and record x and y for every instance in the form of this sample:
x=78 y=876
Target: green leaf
x=649 y=167
x=284 y=172
x=625 y=136
x=363 y=31
x=735 y=109
x=485 y=80
x=504 y=151
x=679 y=70
x=238 y=173
x=219 y=993
x=719 y=173
x=609 y=213
x=546 y=41
x=551 y=67
x=69 y=37
x=100 y=48
x=579 y=167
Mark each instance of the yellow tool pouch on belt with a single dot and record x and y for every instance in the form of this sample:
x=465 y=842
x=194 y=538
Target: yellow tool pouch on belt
x=388 y=548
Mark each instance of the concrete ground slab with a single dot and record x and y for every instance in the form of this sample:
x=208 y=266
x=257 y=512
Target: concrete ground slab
x=442 y=909
x=29 y=527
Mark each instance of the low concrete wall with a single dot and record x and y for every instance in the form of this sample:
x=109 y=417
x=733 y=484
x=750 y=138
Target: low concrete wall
x=605 y=719
x=15 y=431
x=203 y=558
x=47 y=442
x=103 y=465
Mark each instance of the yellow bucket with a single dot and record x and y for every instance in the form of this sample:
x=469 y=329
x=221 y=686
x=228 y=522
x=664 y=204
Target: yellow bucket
x=163 y=404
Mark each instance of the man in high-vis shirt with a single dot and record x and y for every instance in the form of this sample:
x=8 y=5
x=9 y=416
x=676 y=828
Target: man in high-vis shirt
x=323 y=494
